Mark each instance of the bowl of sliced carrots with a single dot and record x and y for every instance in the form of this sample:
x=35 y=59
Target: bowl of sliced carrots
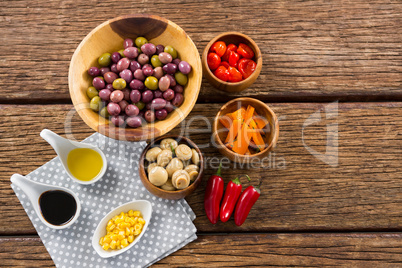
x=245 y=129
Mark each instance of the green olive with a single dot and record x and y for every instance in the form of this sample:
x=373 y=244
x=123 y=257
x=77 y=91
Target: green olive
x=181 y=79
x=140 y=105
x=155 y=61
x=121 y=53
x=119 y=83
x=92 y=92
x=95 y=103
x=105 y=59
x=103 y=112
x=151 y=82
x=171 y=51
x=139 y=41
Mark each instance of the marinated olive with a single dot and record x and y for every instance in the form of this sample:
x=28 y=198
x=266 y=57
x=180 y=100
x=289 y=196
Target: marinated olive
x=158 y=72
x=110 y=77
x=124 y=63
x=92 y=92
x=148 y=49
x=113 y=108
x=98 y=83
x=178 y=99
x=184 y=67
x=117 y=120
x=139 y=41
x=135 y=95
x=176 y=61
x=178 y=88
x=168 y=94
x=116 y=96
x=121 y=53
x=151 y=83
x=127 y=75
x=164 y=83
x=131 y=110
x=103 y=112
x=155 y=61
x=119 y=83
x=123 y=105
x=165 y=58
x=149 y=116
x=138 y=74
x=134 y=65
x=181 y=78
x=105 y=60
x=140 y=105
x=110 y=87
x=126 y=93
x=158 y=103
x=148 y=70
x=147 y=96
x=143 y=59
x=161 y=114
x=116 y=57
x=104 y=94
x=171 y=51
x=104 y=70
x=134 y=121
x=170 y=68
x=113 y=68
x=158 y=94
x=131 y=52
x=128 y=43
x=159 y=49
x=172 y=80
x=94 y=71
x=169 y=107
x=95 y=103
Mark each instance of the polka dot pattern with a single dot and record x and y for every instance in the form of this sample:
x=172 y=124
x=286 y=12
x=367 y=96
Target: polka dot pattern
x=171 y=225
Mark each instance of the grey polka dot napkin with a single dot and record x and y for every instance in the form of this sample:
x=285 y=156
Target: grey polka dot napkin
x=170 y=228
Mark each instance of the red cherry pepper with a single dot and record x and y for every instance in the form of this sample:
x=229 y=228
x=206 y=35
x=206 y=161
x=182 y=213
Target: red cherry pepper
x=222 y=73
x=245 y=51
x=213 y=196
x=246 y=67
x=233 y=58
x=232 y=193
x=213 y=60
x=245 y=203
x=230 y=47
x=219 y=48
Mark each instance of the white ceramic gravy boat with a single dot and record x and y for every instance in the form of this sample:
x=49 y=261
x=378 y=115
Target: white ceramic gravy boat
x=35 y=189
x=63 y=147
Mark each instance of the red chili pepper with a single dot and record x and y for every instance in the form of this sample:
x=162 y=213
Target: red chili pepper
x=232 y=193
x=213 y=196
x=245 y=203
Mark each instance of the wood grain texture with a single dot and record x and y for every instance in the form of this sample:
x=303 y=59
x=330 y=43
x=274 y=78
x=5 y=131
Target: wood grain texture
x=237 y=250
x=312 y=50
x=299 y=191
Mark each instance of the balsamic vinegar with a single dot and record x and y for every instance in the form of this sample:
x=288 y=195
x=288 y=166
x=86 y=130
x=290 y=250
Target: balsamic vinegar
x=57 y=207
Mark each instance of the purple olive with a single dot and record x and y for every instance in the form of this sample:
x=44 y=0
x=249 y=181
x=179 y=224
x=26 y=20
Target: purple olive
x=161 y=114
x=128 y=43
x=158 y=103
x=94 y=71
x=158 y=94
x=110 y=87
x=104 y=94
x=126 y=94
x=137 y=84
x=123 y=105
x=134 y=65
x=147 y=96
x=184 y=67
x=159 y=49
x=134 y=121
x=113 y=108
x=117 y=120
x=110 y=77
x=165 y=58
x=149 y=116
x=117 y=96
x=127 y=75
x=170 y=68
x=176 y=61
x=148 y=106
x=131 y=110
x=135 y=95
x=138 y=74
x=172 y=80
x=104 y=70
x=164 y=83
x=113 y=68
x=131 y=52
x=143 y=59
x=124 y=63
x=116 y=57
x=178 y=99
x=147 y=70
x=141 y=114
x=168 y=94
x=98 y=83
x=178 y=88
x=169 y=107
x=148 y=48
x=158 y=72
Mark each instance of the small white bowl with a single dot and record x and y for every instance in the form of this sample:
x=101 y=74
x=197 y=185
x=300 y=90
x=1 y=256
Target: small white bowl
x=143 y=206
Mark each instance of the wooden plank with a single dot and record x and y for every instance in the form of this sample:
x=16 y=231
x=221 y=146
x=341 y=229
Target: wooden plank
x=314 y=50
x=299 y=191
x=246 y=250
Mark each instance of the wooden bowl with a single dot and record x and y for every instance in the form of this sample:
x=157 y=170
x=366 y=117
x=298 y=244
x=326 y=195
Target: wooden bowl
x=108 y=37
x=232 y=38
x=263 y=110
x=173 y=195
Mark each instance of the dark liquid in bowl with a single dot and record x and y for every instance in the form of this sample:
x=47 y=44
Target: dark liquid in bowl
x=57 y=207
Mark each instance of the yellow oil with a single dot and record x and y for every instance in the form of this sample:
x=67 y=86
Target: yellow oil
x=84 y=163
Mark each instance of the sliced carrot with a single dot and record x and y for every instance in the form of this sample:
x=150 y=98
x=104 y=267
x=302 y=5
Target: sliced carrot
x=233 y=130
x=248 y=152
x=260 y=121
x=257 y=138
x=239 y=114
x=249 y=114
x=241 y=144
x=226 y=121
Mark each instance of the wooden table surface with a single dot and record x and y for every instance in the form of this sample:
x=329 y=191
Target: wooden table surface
x=346 y=54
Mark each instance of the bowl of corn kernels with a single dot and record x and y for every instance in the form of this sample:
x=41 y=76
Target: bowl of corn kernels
x=121 y=228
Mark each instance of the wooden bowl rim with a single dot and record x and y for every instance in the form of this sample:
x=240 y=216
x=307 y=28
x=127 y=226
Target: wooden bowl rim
x=258 y=58
x=143 y=134
x=274 y=120
x=175 y=137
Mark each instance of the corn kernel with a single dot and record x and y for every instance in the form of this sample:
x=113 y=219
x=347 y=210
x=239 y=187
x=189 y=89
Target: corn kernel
x=113 y=244
x=138 y=227
x=130 y=213
x=141 y=220
x=105 y=246
x=117 y=243
x=137 y=213
x=130 y=238
x=124 y=242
